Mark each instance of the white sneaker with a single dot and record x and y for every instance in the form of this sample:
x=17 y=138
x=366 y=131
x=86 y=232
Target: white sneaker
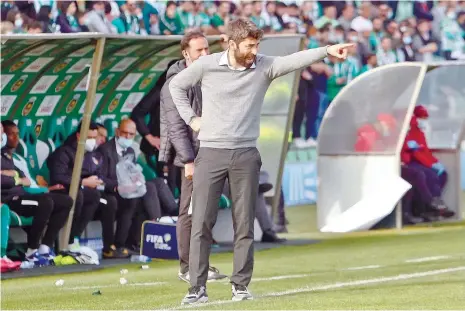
x=196 y=294
x=215 y=275
x=240 y=292
x=184 y=277
x=311 y=143
x=299 y=143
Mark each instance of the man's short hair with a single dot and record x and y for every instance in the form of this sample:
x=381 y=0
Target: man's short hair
x=35 y=25
x=100 y=125
x=92 y=126
x=8 y=123
x=186 y=39
x=241 y=29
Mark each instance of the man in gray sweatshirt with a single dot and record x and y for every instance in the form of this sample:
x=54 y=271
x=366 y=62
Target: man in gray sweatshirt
x=233 y=85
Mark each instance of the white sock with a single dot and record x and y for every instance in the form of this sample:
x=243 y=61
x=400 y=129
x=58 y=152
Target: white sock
x=30 y=251
x=44 y=249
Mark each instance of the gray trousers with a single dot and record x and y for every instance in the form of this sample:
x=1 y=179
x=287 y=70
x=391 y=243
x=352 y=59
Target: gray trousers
x=184 y=223
x=212 y=167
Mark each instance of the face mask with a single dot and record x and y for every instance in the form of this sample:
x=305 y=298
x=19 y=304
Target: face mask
x=407 y=40
x=4 y=140
x=19 y=23
x=100 y=12
x=90 y=144
x=390 y=14
x=354 y=39
x=451 y=15
x=139 y=16
x=421 y=123
x=124 y=142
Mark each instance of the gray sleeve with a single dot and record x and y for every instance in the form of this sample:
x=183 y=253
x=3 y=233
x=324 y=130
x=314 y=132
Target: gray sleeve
x=285 y=64
x=180 y=85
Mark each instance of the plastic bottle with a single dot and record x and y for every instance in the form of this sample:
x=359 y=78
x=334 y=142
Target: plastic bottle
x=140 y=258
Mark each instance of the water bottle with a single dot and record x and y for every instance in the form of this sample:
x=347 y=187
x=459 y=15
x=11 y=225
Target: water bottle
x=140 y=258
x=27 y=265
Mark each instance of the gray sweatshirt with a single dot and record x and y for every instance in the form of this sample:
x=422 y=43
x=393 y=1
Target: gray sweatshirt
x=233 y=99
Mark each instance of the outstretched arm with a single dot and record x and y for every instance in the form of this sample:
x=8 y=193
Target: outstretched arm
x=283 y=65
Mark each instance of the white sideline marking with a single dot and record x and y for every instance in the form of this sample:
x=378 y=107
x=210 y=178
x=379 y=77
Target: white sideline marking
x=281 y=277
x=308 y=289
x=424 y=259
x=363 y=267
x=115 y=285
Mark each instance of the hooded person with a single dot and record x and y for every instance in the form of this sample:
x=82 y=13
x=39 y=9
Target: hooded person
x=419 y=156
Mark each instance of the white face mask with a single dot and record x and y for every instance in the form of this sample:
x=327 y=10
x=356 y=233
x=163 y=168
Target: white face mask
x=90 y=144
x=422 y=123
x=19 y=23
x=452 y=15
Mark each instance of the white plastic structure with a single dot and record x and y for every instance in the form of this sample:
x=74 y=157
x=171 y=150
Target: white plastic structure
x=349 y=173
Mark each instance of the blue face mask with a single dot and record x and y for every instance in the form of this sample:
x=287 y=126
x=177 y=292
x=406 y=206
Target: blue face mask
x=124 y=142
x=407 y=40
x=4 y=140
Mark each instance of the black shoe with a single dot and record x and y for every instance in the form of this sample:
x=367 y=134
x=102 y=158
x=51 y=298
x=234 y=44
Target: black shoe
x=411 y=220
x=262 y=188
x=271 y=237
x=196 y=294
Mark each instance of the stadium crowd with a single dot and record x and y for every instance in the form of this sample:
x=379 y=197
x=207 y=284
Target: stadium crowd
x=385 y=32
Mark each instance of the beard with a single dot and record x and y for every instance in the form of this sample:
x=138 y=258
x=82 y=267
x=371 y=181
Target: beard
x=244 y=59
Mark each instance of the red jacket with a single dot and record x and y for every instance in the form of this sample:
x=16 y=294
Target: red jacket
x=423 y=155
x=370 y=139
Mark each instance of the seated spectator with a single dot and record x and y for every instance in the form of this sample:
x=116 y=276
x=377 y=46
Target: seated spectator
x=91 y=196
x=451 y=36
x=45 y=17
x=49 y=210
x=18 y=19
x=406 y=53
x=201 y=19
x=424 y=44
x=6 y=28
x=102 y=135
x=34 y=28
x=170 y=22
x=421 y=156
x=370 y=62
x=67 y=19
x=377 y=136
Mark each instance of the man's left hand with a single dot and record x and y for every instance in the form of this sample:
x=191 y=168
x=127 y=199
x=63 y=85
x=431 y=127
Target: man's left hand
x=339 y=50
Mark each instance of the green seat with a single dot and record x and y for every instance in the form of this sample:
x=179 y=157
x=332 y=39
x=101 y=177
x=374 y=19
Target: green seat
x=38 y=190
x=225 y=202
x=148 y=172
x=56 y=133
x=70 y=125
x=111 y=126
x=27 y=147
x=20 y=221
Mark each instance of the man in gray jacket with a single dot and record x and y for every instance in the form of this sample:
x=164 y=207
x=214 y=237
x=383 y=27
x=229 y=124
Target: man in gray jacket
x=175 y=134
x=233 y=84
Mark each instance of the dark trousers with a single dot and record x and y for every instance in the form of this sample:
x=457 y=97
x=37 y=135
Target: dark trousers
x=124 y=219
x=212 y=167
x=435 y=183
x=419 y=190
x=49 y=210
x=307 y=105
x=184 y=223
x=165 y=195
x=88 y=202
x=151 y=201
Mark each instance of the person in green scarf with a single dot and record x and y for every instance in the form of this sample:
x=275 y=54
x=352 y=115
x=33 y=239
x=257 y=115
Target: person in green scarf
x=370 y=62
x=185 y=14
x=127 y=22
x=170 y=22
x=339 y=77
x=201 y=19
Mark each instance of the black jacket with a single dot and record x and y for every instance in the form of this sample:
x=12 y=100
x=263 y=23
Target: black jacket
x=61 y=162
x=109 y=157
x=9 y=187
x=175 y=133
x=149 y=104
